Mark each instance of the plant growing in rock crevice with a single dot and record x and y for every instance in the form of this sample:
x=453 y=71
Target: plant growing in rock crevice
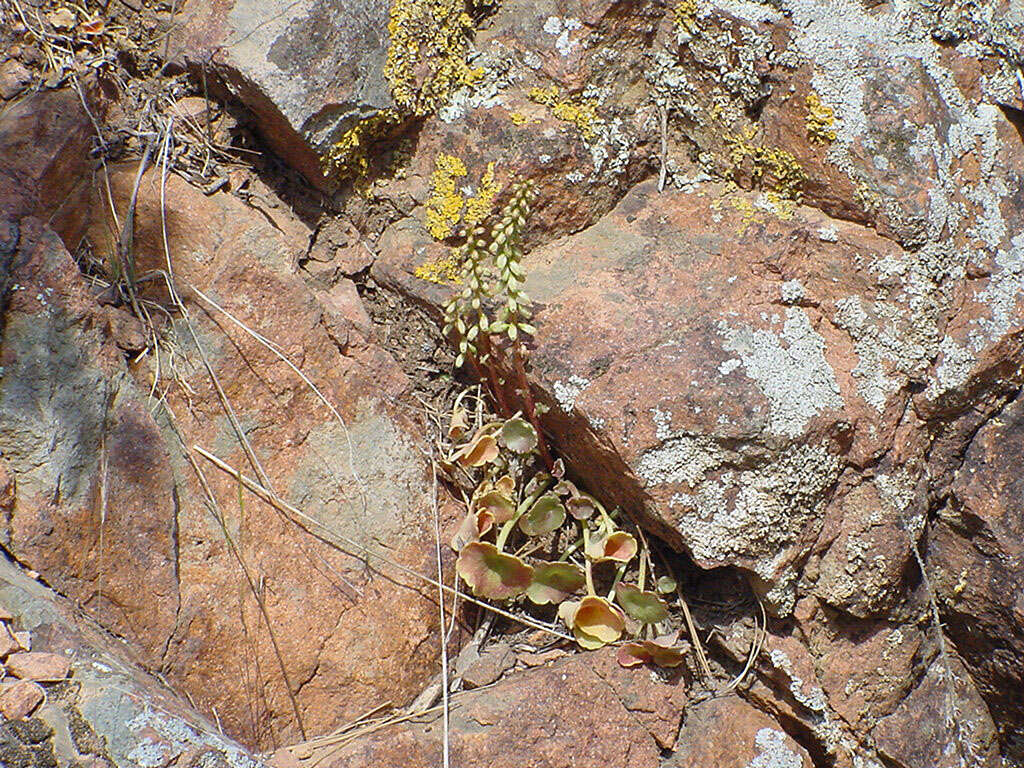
x=534 y=541
x=490 y=314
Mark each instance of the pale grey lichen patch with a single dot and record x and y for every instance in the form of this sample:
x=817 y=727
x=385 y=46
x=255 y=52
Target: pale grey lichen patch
x=790 y=368
x=953 y=369
x=808 y=695
x=774 y=751
x=792 y=291
x=746 y=515
x=562 y=28
x=567 y=391
x=501 y=70
x=684 y=459
x=1004 y=289
x=175 y=738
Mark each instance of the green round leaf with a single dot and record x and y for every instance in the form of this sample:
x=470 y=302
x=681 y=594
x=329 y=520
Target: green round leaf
x=645 y=607
x=554 y=582
x=618 y=546
x=546 y=514
x=492 y=574
x=518 y=435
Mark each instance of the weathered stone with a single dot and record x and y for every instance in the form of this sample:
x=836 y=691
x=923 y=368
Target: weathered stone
x=94 y=509
x=39 y=666
x=111 y=713
x=488 y=666
x=309 y=71
x=14 y=78
x=338 y=622
x=584 y=709
x=865 y=568
x=45 y=139
x=941 y=724
x=729 y=733
x=8 y=643
x=978 y=565
x=19 y=700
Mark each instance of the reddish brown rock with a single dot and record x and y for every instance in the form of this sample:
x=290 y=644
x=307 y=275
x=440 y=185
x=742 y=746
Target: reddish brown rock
x=484 y=668
x=45 y=142
x=978 y=561
x=39 y=666
x=20 y=699
x=309 y=73
x=941 y=724
x=584 y=709
x=865 y=569
x=94 y=509
x=729 y=733
x=8 y=643
x=339 y=622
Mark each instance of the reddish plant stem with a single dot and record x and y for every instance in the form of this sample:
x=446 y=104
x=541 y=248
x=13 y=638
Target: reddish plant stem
x=491 y=378
x=531 y=410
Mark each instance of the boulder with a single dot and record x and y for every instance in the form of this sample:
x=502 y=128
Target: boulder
x=308 y=71
x=582 y=710
x=977 y=561
x=730 y=733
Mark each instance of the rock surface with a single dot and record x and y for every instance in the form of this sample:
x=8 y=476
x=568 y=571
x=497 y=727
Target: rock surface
x=732 y=734
x=776 y=257
x=103 y=500
x=583 y=711
x=309 y=70
x=109 y=713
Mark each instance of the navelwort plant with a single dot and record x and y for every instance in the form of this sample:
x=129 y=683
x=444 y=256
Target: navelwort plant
x=492 y=306
x=532 y=538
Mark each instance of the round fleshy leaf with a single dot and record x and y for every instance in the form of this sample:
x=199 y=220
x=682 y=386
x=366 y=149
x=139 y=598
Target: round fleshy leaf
x=618 y=546
x=565 y=488
x=597 y=620
x=664 y=651
x=645 y=607
x=473 y=526
x=497 y=504
x=567 y=612
x=518 y=435
x=546 y=514
x=492 y=574
x=506 y=485
x=482 y=449
x=633 y=655
x=554 y=582
x=666 y=585
x=581 y=507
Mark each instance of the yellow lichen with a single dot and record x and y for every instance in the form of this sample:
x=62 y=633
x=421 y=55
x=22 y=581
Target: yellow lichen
x=348 y=157
x=427 y=57
x=768 y=203
x=684 y=17
x=770 y=167
x=517 y=118
x=478 y=206
x=426 y=63
x=582 y=113
x=444 y=207
x=820 y=120
x=443 y=270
